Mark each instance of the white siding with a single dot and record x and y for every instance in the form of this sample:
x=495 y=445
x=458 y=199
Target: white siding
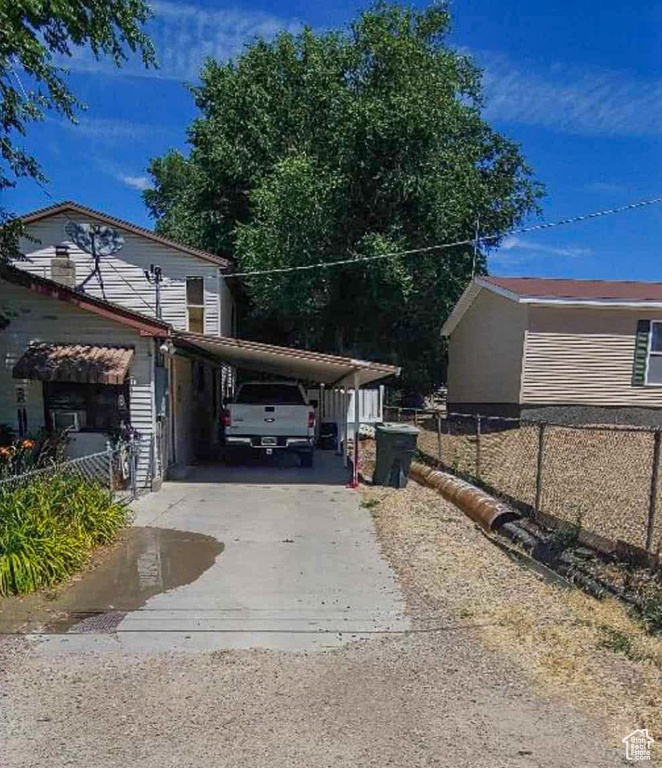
x=584 y=357
x=33 y=318
x=123 y=274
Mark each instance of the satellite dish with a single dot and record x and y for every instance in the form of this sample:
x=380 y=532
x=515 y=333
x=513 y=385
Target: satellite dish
x=98 y=241
x=95 y=239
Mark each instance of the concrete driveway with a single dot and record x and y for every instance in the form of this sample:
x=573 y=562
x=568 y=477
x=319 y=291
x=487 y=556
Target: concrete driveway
x=267 y=555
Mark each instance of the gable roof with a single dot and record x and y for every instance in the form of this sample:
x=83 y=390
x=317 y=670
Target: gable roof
x=584 y=290
x=68 y=205
x=544 y=291
x=144 y=324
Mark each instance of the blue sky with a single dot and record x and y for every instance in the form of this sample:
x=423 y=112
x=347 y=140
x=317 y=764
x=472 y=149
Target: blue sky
x=578 y=84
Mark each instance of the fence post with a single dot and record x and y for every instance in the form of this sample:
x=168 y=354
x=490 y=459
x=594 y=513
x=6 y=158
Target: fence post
x=109 y=451
x=439 y=437
x=133 y=464
x=478 y=447
x=652 y=504
x=541 y=446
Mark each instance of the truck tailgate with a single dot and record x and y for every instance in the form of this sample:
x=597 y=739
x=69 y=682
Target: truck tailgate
x=275 y=420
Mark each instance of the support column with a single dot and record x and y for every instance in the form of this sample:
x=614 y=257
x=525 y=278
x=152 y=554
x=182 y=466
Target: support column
x=357 y=424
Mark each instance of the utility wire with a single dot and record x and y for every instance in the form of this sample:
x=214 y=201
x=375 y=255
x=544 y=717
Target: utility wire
x=445 y=246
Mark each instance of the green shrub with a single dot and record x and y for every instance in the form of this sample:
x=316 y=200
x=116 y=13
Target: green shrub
x=48 y=528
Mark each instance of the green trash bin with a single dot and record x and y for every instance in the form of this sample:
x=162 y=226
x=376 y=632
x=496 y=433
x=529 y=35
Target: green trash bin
x=396 y=446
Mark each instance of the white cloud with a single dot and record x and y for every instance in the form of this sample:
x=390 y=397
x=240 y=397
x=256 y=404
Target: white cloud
x=571 y=99
x=515 y=250
x=606 y=188
x=185 y=35
x=109 y=129
x=135 y=182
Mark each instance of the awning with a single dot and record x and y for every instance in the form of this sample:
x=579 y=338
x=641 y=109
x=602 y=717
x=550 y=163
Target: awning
x=74 y=362
x=287 y=361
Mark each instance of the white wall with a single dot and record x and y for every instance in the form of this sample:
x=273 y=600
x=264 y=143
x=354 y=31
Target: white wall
x=122 y=274
x=34 y=318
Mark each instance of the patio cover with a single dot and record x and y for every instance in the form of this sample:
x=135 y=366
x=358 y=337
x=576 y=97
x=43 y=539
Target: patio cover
x=75 y=363
x=288 y=361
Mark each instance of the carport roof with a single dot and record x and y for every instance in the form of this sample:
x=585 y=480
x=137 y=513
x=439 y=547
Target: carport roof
x=287 y=361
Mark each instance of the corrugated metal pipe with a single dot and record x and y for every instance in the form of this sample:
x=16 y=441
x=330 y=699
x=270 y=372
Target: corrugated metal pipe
x=482 y=508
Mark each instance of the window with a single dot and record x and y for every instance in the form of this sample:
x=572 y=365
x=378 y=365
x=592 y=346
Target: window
x=195 y=304
x=654 y=363
x=100 y=407
x=270 y=394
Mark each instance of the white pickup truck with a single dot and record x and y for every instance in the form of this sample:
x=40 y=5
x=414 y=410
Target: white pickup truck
x=269 y=416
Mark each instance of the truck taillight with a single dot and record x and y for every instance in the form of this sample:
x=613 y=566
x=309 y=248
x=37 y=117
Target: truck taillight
x=311 y=419
x=226 y=419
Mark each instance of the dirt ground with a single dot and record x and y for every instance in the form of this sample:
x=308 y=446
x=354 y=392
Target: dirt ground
x=500 y=669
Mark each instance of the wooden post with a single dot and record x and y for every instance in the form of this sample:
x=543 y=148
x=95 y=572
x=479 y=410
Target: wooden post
x=541 y=452
x=652 y=503
x=478 y=447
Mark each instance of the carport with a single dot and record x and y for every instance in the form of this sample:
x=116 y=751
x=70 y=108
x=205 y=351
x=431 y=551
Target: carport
x=333 y=372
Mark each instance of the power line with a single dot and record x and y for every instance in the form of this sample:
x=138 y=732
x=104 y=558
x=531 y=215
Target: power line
x=445 y=246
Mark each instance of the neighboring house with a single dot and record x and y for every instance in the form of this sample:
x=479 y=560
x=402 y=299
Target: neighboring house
x=584 y=351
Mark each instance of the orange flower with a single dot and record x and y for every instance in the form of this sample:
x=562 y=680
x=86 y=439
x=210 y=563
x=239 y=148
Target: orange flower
x=4 y=451
x=27 y=444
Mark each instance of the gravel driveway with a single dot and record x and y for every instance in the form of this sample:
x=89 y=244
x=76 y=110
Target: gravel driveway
x=432 y=696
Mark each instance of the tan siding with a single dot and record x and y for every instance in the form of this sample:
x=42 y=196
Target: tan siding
x=584 y=357
x=485 y=352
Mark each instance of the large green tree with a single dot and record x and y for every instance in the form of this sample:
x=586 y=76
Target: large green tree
x=35 y=37
x=340 y=145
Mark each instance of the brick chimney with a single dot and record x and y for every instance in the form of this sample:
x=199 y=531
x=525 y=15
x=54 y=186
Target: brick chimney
x=63 y=270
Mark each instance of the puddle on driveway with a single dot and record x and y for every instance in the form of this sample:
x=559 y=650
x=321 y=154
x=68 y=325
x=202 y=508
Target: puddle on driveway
x=147 y=562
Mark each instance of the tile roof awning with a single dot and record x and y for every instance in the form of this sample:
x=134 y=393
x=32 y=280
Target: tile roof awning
x=82 y=363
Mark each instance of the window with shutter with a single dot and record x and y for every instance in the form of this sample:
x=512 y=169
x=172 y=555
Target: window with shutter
x=640 y=353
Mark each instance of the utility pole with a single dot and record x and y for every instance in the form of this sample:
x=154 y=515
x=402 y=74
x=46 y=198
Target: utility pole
x=154 y=276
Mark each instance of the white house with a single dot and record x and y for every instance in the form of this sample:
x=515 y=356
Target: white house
x=89 y=339
x=65 y=304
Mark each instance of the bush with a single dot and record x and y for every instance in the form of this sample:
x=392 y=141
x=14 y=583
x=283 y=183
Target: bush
x=48 y=528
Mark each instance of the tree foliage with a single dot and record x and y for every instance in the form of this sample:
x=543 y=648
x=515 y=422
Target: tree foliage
x=35 y=35
x=319 y=147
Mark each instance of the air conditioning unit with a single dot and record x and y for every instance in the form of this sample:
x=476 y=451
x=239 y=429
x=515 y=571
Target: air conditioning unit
x=67 y=420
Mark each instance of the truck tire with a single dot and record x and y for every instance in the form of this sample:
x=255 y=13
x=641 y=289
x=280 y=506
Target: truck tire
x=306 y=459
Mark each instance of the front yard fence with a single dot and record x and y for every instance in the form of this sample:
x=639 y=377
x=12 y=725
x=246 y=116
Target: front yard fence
x=602 y=481
x=116 y=469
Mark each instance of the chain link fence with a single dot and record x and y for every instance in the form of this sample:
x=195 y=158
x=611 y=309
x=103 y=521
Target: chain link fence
x=116 y=469
x=601 y=480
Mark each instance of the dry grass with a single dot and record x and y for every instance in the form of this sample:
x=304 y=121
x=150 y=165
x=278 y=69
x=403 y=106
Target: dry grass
x=590 y=653
x=600 y=479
